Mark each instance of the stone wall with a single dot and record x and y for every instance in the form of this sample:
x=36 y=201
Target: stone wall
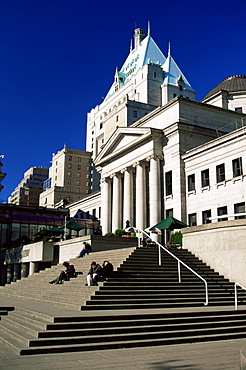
x=70 y=248
x=221 y=245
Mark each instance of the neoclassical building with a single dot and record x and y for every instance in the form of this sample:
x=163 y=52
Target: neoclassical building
x=149 y=137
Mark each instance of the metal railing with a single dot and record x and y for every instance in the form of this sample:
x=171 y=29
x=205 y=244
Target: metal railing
x=140 y=231
x=235 y=289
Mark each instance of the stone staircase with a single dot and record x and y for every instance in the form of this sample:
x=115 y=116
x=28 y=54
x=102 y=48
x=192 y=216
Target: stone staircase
x=143 y=304
x=141 y=283
x=72 y=294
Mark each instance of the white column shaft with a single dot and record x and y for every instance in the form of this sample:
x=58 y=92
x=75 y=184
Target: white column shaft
x=154 y=192
x=106 y=206
x=128 y=198
x=140 y=197
x=117 y=201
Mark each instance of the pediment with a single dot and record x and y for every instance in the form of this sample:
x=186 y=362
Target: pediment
x=122 y=140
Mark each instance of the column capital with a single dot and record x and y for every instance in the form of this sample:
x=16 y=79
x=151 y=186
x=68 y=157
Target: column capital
x=154 y=156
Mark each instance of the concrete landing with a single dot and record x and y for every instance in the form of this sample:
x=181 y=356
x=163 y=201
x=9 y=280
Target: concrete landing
x=197 y=356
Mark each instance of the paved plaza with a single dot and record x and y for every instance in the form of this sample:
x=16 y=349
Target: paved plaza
x=198 y=356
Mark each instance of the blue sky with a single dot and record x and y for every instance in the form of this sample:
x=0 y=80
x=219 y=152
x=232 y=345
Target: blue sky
x=58 y=59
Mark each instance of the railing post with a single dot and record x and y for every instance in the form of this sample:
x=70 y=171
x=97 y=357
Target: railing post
x=235 y=288
x=179 y=273
x=159 y=254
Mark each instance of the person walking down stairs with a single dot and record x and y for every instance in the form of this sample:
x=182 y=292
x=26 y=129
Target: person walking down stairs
x=64 y=275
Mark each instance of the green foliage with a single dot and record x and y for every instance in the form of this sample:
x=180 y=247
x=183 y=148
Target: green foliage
x=119 y=232
x=176 y=237
x=109 y=234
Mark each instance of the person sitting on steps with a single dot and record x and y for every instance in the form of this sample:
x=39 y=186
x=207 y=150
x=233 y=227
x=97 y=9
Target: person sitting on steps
x=65 y=275
x=94 y=274
x=107 y=270
x=86 y=249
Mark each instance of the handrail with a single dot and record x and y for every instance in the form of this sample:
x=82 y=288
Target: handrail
x=179 y=262
x=235 y=289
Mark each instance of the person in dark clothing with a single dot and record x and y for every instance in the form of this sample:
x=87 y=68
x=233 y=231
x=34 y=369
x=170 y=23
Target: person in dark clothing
x=94 y=274
x=86 y=249
x=107 y=270
x=64 y=275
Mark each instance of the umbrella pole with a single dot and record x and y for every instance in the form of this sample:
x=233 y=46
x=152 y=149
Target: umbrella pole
x=65 y=229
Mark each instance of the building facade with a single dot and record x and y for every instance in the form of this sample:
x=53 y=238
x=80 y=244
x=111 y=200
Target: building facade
x=69 y=178
x=28 y=190
x=160 y=153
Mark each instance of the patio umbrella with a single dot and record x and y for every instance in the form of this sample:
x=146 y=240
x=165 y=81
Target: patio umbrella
x=72 y=225
x=170 y=223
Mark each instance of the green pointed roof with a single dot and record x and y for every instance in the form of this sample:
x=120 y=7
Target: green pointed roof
x=173 y=74
x=146 y=53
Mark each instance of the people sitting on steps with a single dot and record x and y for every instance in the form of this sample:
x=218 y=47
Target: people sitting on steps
x=107 y=270
x=86 y=249
x=94 y=275
x=65 y=275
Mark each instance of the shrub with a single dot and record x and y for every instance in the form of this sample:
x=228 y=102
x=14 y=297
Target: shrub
x=119 y=232
x=176 y=237
x=109 y=234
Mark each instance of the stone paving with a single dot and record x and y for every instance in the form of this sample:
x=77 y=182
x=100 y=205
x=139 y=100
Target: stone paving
x=198 y=356
x=195 y=356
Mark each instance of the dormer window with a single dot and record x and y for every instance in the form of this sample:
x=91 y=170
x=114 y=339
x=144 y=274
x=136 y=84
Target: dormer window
x=180 y=88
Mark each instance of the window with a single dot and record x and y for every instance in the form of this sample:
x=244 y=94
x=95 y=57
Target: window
x=68 y=189
x=205 y=178
x=239 y=110
x=174 y=95
x=135 y=113
x=69 y=173
x=192 y=219
x=239 y=208
x=69 y=182
x=69 y=157
x=180 y=88
x=79 y=167
x=168 y=180
x=117 y=118
x=169 y=212
x=237 y=167
x=101 y=125
x=205 y=217
x=78 y=182
x=191 y=182
x=69 y=165
x=220 y=173
x=154 y=74
x=87 y=183
x=77 y=190
x=79 y=159
x=87 y=176
x=222 y=211
x=78 y=174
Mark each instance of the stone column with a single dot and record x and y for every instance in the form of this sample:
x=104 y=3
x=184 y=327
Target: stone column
x=17 y=271
x=117 y=203
x=154 y=192
x=9 y=273
x=24 y=270
x=32 y=268
x=140 y=196
x=128 y=196
x=106 y=205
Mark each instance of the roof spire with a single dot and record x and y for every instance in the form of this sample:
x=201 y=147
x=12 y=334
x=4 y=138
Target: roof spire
x=148 y=28
x=169 y=49
x=131 y=45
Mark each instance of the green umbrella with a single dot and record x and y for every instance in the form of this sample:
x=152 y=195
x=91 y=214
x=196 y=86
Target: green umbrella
x=72 y=225
x=170 y=223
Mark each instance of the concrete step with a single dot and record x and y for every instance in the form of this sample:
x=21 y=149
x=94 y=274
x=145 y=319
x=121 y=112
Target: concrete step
x=125 y=331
